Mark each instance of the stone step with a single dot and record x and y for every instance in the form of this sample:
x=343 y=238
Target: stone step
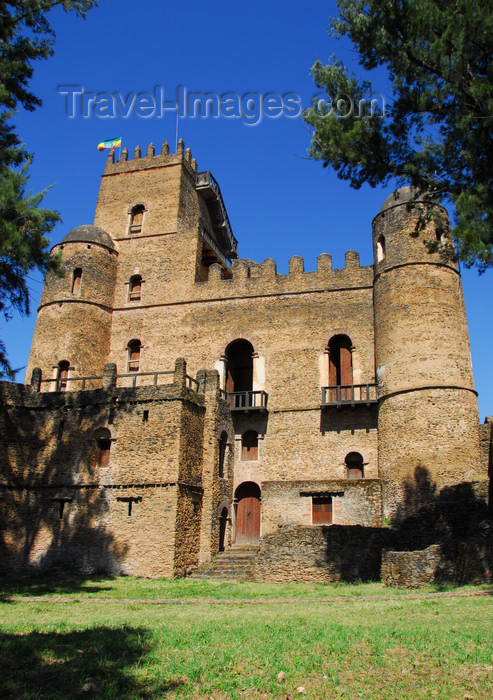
x=230 y=569
x=236 y=563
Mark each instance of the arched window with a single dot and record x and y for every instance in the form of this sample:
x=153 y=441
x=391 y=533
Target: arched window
x=76 y=280
x=340 y=367
x=136 y=219
x=440 y=235
x=102 y=437
x=380 y=248
x=133 y=349
x=249 y=445
x=62 y=375
x=135 y=288
x=223 y=521
x=354 y=465
x=223 y=444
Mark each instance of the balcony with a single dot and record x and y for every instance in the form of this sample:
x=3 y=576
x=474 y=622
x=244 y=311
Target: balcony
x=211 y=192
x=349 y=395
x=248 y=401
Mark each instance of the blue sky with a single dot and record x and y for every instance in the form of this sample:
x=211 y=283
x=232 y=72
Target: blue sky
x=279 y=202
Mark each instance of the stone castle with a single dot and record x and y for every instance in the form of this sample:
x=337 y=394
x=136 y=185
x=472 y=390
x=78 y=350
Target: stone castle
x=181 y=401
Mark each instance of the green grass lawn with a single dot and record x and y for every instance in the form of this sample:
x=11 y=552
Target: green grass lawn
x=75 y=586
x=380 y=648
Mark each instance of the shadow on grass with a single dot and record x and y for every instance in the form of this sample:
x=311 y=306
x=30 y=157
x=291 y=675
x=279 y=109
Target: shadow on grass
x=60 y=664
x=51 y=584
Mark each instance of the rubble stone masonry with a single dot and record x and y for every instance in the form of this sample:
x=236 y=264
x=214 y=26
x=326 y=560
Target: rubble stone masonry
x=167 y=496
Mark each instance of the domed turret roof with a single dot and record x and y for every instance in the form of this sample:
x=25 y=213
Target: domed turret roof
x=401 y=196
x=89 y=234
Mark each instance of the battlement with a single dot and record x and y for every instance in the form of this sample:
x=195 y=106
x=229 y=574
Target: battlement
x=262 y=278
x=150 y=160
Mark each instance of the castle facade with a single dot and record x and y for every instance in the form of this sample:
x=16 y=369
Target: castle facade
x=180 y=401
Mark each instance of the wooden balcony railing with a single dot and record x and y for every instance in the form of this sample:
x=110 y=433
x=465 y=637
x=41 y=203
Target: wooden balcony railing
x=351 y=395
x=248 y=401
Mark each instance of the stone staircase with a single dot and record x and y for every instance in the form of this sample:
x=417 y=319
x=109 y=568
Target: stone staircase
x=236 y=564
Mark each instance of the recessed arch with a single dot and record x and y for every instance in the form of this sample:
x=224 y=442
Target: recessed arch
x=354 y=465
x=62 y=371
x=221 y=506
x=381 y=252
x=135 y=288
x=109 y=428
x=134 y=348
x=102 y=437
x=224 y=429
x=352 y=333
x=76 y=280
x=136 y=219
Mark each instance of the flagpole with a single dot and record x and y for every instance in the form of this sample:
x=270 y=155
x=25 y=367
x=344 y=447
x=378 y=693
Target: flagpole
x=176 y=139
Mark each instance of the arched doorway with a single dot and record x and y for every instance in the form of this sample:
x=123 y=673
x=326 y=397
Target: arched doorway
x=239 y=366
x=340 y=368
x=223 y=521
x=247 y=504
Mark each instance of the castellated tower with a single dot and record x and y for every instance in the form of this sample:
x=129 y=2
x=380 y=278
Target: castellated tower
x=158 y=227
x=428 y=415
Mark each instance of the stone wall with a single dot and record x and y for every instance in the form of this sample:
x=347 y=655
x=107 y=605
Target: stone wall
x=474 y=556
x=486 y=446
x=335 y=553
x=466 y=560
x=354 y=502
x=141 y=513
x=411 y=569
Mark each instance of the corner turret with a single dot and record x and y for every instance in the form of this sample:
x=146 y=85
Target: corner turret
x=428 y=415
x=78 y=304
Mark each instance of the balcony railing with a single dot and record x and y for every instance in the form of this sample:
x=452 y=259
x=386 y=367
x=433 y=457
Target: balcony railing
x=73 y=383
x=248 y=401
x=350 y=394
x=130 y=379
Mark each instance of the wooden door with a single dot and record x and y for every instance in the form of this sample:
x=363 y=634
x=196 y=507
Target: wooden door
x=340 y=368
x=346 y=371
x=247 y=514
x=322 y=510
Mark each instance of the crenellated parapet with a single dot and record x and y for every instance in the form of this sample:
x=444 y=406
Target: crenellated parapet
x=150 y=160
x=249 y=277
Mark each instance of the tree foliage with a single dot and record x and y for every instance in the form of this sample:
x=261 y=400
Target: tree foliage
x=25 y=36
x=437 y=130
x=23 y=244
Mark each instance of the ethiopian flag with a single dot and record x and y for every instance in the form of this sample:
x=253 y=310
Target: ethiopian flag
x=110 y=143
